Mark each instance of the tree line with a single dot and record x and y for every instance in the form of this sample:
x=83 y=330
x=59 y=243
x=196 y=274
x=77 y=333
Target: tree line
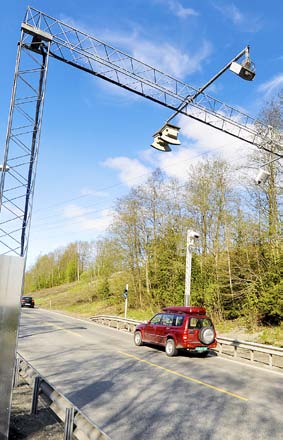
x=237 y=261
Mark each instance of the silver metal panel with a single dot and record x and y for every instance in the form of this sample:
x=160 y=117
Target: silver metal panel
x=11 y=282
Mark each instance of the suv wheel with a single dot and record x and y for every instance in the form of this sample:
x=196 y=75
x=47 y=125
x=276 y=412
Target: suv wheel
x=170 y=348
x=206 y=335
x=138 y=338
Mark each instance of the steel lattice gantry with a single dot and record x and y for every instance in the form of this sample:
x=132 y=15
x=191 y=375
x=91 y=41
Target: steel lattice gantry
x=43 y=36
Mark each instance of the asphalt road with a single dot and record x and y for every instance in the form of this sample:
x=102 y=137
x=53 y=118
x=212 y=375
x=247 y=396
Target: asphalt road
x=139 y=393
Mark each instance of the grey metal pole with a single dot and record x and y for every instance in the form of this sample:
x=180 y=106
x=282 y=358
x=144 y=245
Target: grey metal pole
x=188 y=269
x=191 y=236
x=190 y=98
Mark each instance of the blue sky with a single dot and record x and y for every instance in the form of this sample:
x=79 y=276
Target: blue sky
x=95 y=141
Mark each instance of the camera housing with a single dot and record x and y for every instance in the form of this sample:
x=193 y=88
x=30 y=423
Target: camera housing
x=194 y=234
x=262 y=176
x=245 y=71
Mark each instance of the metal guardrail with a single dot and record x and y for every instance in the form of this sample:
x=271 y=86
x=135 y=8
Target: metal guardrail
x=117 y=322
x=77 y=424
x=266 y=353
x=269 y=351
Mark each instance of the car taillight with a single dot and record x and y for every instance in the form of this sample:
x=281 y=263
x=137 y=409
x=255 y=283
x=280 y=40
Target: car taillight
x=185 y=336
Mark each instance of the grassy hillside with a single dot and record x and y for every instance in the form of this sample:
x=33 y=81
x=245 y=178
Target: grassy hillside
x=76 y=299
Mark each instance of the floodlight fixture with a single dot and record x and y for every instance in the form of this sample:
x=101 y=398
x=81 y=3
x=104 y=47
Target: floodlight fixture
x=167 y=135
x=159 y=144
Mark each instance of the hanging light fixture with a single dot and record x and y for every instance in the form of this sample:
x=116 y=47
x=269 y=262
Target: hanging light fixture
x=159 y=144
x=168 y=134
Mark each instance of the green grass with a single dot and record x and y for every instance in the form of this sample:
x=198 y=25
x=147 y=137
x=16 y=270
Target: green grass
x=78 y=299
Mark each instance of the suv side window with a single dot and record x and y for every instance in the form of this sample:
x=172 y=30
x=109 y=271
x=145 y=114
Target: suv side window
x=179 y=319
x=156 y=319
x=167 y=319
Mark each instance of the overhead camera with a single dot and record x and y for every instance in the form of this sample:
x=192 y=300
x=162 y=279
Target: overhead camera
x=262 y=176
x=194 y=234
x=246 y=70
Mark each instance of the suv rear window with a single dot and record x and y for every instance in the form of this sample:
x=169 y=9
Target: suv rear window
x=199 y=323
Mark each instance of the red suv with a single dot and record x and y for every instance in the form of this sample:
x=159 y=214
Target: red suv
x=179 y=328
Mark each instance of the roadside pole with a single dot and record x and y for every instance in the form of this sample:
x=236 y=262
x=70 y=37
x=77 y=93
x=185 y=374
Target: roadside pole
x=126 y=299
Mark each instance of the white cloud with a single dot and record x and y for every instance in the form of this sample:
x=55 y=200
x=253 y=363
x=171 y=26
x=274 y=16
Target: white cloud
x=268 y=87
x=233 y=13
x=177 y=163
x=84 y=220
x=178 y=9
x=206 y=139
x=170 y=59
x=93 y=192
x=200 y=141
x=247 y=22
x=165 y=56
x=131 y=171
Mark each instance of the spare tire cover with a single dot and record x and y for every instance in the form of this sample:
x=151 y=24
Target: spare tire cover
x=206 y=335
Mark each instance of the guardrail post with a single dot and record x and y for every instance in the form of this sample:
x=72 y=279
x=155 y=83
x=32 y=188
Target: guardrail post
x=252 y=355
x=235 y=351
x=35 y=394
x=16 y=373
x=270 y=359
x=69 y=424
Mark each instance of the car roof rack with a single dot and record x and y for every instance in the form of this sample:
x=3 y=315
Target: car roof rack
x=186 y=309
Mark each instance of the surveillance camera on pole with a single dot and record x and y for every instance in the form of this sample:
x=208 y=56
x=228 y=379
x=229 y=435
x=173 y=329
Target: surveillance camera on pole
x=193 y=234
x=245 y=70
x=262 y=177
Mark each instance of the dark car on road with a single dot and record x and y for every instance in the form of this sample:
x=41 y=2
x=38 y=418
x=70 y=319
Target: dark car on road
x=27 y=301
x=187 y=328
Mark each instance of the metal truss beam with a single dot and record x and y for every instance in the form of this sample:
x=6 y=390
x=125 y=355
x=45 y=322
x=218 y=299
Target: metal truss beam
x=85 y=52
